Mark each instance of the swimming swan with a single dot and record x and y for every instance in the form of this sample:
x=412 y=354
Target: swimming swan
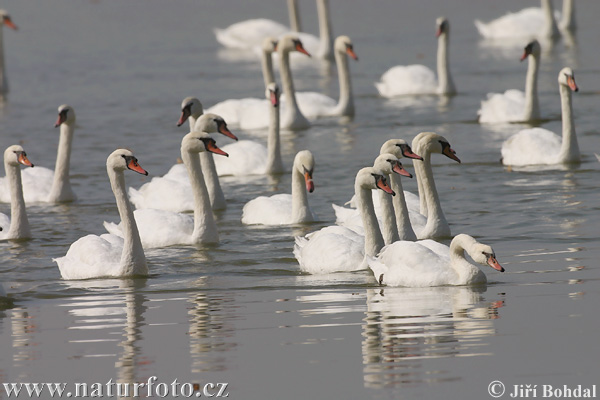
x=17 y=226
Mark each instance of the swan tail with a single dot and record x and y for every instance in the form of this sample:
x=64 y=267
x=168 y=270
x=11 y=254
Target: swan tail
x=113 y=228
x=299 y=244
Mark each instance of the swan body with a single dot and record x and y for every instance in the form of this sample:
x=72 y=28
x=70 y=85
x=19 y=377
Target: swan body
x=43 y=184
x=337 y=248
x=173 y=191
x=529 y=23
x=541 y=146
x=515 y=105
x=419 y=79
x=17 y=227
x=109 y=255
x=427 y=263
x=285 y=209
x=5 y=20
x=252 y=158
x=160 y=228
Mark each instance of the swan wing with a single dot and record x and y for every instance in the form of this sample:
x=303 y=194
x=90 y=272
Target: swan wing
x=246 y=157
x=273 y=210
x=250 y=33
x=503 y=107
x=527 y=23
x=163 y=194
x=530 y=147
x=92 y=256
x=406 y=80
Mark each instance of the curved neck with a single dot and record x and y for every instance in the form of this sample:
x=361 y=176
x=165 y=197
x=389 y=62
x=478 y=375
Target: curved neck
x=325 y=35
x=550 y=28
x=205 y=228
x=274 y=163
x=568 y=15
x=300 y=210
x=267 y=67
x=373 y=239
x=3 y=81
x=133 y=260
x=295 y=25
x=405 y=230
x=464 y=269
x=217 y=198
x=19 y=224
x=389 y=228
x=445 y=82
x=61 y=186
x=532 y=106
x=345 y=106
x=569 y=150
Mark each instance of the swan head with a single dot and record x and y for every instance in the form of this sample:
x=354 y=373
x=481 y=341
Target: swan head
x=371 y=178
x=484 y=254
x=122 y=159
x=211 y=123
x=15 y=155
x=190 y=107
x=197 y=142
x=272 y=93
x=6 y=20
x=431 y=142
x=289 y=43
x=269 y=44
x=532 y=49
x=566 y=77
x=399 y=148
x=304 y=162
x=389 y=163
x=443 y=26
x=344 y=45
x=66 y=115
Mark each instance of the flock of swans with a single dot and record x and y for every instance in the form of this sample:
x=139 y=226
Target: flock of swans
x=385 y=229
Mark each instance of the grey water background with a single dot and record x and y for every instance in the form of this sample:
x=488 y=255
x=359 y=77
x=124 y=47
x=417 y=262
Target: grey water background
x=241 y=312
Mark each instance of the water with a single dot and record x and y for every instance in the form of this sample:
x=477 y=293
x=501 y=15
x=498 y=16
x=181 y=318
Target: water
x=240 y=312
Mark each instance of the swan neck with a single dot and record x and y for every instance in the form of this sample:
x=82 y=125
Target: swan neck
x=389 y=227
x=274 y=163
x=217 y=198
x=405 y=230
x=464 y=269
x=550 y=27
x=325 y=33
x=437 y=225
x=288 y=85
x=373 y=239
x=61 y=186
x=346 y=100
x=267 y=67
x=294 y=15
x=3 y=81
x=570 y=148
x=300 y=210
x=204 y=221
x=19 y=224
x=133 y=260
x=445 y=82
x=532 y=107
x=568 y=15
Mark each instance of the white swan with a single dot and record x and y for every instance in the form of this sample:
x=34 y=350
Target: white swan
x=251 y=158
x=529 y=23
x=567 y=22
x=419 y=79
x=17 y=226
x=541 y=146
x=515 y=105
x=252 y=113
x=5 y=20
x=109 y=255
x=285 y=209
x=337 y=248
x=173 y=191
x=160 y=228
x=427 y=263
x=43 y=184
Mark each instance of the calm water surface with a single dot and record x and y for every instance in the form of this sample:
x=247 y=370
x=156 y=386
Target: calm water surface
x=241 y=312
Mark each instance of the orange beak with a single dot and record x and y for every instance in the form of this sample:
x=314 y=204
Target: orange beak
x=399 y=169
x=408 y=153
x=185 y=114
x=223 y=130
x=212 y=147
x=310 y=185
x=8 y=22
x=572 y=84
x=274 y=98
x=351 y=53
x=22 y=159
x=448 y=152
x=61 y=118
x=524 y=56
x=134 y=166
x=301 y=49
x=383 y=185
x=492 y=262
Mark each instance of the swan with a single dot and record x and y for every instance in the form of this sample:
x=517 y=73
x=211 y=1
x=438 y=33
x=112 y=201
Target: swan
x=419 y=79
x=43 y=184
x=541 y=146
x=427 y=263
x=285 y=209
x=160 y=228
x=337 y=248
x=401 y=227
x=5 y=20
x=251 y=113
x=109 y=255
x=515 y=105
x=568 y=23
x=529 y=23
x=191 y=110
x=250 y=157
x=173 y=191
x=17 y=226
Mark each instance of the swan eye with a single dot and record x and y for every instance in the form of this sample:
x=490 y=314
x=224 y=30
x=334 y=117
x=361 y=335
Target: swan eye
x=307 y=171
x=529 y=48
